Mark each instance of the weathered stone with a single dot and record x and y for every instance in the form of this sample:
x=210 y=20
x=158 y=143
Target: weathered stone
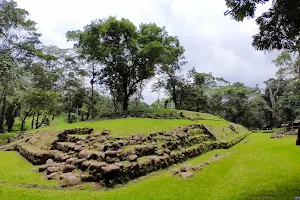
x=111 y=153
x=43 y=167
x=136 y=138
x=49 y=161
x=175 y=171
x=112 y=159
x=85 y=165
x=166 y=150
x=110 y=168
x=105 y=132
x=97 y=186
x=132 y=142
x=86 y=177
x=78 y=162
x=184 y=169
x=71 y=161
x=131 y=151
x=205 y=163
x=68 y=168
x=102 y=139
x=186 y=174
x=52 y=176
x=63 y=176
x=78 y=147
x=97 y=134
x=35 y=155
x=96 y=165
x=159 y=152
x=132 y=158
x=84 y=154
x=70 y=180
x=154 y=159
x=196 y=168
x=50 y=170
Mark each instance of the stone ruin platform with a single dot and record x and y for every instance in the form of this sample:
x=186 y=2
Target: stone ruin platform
x=82 y=155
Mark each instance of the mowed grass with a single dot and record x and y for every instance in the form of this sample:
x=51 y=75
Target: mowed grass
x=261 y=168
x=125 y=126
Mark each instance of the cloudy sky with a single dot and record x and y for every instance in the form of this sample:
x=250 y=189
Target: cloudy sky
x=213 y=43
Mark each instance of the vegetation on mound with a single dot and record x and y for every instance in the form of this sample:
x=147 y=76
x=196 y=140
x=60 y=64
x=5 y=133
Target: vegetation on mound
x=265 y=179
x=97 y=157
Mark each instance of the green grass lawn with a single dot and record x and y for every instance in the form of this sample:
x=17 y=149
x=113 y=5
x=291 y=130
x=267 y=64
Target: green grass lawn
x=125 y=126
x=262 y=168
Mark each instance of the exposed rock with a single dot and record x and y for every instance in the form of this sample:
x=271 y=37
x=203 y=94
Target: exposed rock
x=206 y=163
x=71 y=161
x=166 y=150
x=105 y=132
x=85 y=165
x=110 y=168
x=184 y=169
x=175 y=171
x=97 y=186
x=63 y=176
x=78 y=147
x=112 y=159
x=159 y=152
x=70 y=180
x=186 y=174
x=132 y=158
x=111 y=153
x=131 y=151
x=33 y=154
x=96 y=165
x=68 y=168
x=196 y=168
x=54 y=175
x=84 y=154
x=86 y=177
x=50 y=170
x=49 y=161
x=43 y=167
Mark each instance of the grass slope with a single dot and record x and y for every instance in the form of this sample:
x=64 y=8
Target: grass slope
x=262 y=168
x=126 y=126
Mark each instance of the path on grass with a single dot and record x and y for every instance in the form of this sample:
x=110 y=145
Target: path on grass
x=262 y=168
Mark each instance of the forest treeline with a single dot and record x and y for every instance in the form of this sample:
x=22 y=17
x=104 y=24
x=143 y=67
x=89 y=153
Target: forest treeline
x=110 y=65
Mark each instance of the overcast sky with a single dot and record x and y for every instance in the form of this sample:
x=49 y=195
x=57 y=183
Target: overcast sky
x=214 y=43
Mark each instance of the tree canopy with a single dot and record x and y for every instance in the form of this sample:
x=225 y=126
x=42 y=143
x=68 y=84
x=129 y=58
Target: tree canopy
x=279 y=27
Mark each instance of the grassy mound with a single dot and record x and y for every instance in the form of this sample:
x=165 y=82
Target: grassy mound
x=263 y=169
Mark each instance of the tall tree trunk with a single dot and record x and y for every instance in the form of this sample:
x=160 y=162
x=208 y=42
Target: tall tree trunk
x=37 y=120
x=2 y=114
x=10 y=117
x=82 y=114
x=32 y=121
x=23 y=123
x=69 y=107
x=115 y=104
x=273 y=105
x=174 y=97
x=125 y=102
x=92 y=83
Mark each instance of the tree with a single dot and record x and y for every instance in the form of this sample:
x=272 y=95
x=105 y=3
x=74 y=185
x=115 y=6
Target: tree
x=129 y=55
x=279 y=27
x=18 y=42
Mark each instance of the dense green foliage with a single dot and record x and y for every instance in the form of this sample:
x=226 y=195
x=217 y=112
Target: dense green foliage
x=265 y=179
x=253 y=107
x=279 y=27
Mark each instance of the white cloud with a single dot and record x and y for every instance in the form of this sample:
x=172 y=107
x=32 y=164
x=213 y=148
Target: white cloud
x=213 y=43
